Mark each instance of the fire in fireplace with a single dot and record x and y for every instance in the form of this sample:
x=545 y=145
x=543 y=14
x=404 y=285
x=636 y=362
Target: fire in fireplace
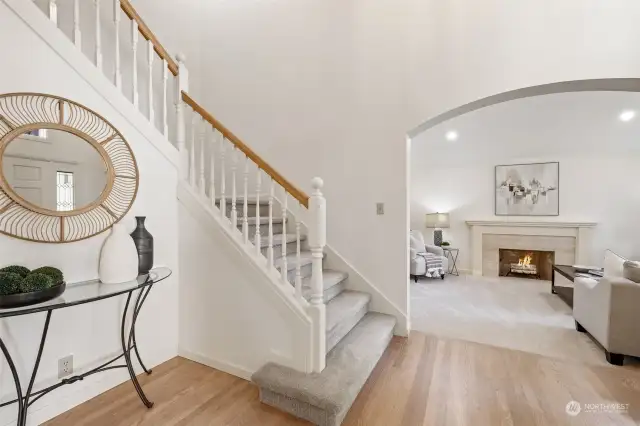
x=535 y=264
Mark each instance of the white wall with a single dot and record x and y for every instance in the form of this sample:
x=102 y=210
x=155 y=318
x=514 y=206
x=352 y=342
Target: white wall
x=330 y=88
x=89 y=332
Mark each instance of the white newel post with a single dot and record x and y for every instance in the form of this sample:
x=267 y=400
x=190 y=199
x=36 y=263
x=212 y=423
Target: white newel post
x=317 y=241
x=181 y=129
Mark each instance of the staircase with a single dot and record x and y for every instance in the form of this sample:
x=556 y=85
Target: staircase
x=276 y=226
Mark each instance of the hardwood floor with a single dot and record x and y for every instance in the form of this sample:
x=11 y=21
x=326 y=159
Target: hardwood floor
x=423 y=380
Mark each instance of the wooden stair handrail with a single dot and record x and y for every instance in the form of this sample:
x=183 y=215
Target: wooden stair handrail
x=146 y=32
x=288 y=186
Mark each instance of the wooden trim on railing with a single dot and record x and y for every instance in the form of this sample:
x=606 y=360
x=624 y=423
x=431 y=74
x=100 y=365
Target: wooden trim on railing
x=130 y=11
x=288 y=186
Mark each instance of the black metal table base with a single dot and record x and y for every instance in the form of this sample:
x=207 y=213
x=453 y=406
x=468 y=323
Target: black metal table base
x=28 y=398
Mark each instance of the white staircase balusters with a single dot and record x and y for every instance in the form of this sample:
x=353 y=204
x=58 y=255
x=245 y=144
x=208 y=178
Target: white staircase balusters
x=245 y=214
x=152 y=55
x=234 y=166
x=212 y=170
x=98 y=52
x=53 y=11
x=283 y=271
x=165 y=106
x=77 y=36
x=181 y=134
x=223 y=172
x=317 y=240
x=298 y=279
x=258 y=237
x=270 y=247
x=134 y=65
x=116 y=23
x=192 y=151
x=201 y=142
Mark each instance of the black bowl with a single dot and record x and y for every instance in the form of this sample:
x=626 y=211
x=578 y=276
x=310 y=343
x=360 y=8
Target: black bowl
x=31 y=298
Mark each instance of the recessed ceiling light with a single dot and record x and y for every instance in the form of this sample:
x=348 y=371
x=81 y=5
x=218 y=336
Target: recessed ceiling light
x=451 y=135
x=627 y=115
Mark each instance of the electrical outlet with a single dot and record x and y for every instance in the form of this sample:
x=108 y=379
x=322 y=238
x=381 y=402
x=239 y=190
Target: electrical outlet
x=380 y=208
x=65 y=366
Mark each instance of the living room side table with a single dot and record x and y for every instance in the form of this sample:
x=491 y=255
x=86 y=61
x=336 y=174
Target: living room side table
x=452 y=253
x=79 y=294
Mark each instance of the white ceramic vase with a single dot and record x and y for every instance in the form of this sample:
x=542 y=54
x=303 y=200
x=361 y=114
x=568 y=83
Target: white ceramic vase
x=119 y=257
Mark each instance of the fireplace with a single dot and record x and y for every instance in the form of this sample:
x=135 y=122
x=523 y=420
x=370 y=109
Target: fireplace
x=535 y=264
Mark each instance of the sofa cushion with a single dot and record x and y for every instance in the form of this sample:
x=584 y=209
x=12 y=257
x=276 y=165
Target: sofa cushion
x=613 y=264
x=631 y=271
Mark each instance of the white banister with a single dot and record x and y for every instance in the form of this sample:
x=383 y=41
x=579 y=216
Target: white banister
x=134 y=73
x=201 y=140
x=298 y=279
x=77 y=36
x=165 y=106
x=270 y=222
x=234 y=166
x=181 y=133
x=283 y=271
x=192 y=152
x=152 y=55
x=117 y=77
x=212 y=170
x=53 y=11
x=245 y=214
x=258 y=237
x=223 y=183
x=98 y=37
x=317 y=241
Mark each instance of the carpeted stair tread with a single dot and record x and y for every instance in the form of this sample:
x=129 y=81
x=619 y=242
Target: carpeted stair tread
x=305 y=259
x=263 y=221
x=345 y=305
x=277 y=240
x=251 y=201
x=325 y=398
x=330 y=280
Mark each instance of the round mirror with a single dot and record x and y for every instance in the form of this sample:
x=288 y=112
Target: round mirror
x=55 y=170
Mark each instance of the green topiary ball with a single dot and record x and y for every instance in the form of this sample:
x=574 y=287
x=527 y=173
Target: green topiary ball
x=54 y=273
x=10 y=283
x=35 y=282
x=20 y=270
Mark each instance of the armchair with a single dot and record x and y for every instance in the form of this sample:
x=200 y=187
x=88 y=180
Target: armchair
x=425 y=260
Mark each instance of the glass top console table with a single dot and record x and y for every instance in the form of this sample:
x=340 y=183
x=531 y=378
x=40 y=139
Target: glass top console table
x=79 y=294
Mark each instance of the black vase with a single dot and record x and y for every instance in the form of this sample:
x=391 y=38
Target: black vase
x=144 y=244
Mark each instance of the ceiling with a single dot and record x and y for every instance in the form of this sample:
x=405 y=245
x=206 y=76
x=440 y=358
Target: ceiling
x=580 y=124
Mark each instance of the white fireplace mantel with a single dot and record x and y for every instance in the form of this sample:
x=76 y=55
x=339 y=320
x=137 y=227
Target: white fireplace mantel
x=580 y=231
x=541 y=224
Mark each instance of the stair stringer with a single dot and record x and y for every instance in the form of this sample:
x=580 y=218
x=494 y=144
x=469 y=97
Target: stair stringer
x=268 y=284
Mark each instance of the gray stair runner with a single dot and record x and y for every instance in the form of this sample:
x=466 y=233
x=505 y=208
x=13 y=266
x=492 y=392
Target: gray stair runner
x=355 y=337
x=325 y=398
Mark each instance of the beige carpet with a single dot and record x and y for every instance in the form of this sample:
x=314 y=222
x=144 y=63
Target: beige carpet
x=513 y=313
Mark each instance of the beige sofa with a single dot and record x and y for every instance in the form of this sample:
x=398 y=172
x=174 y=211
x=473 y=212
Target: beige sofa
x=609 y=309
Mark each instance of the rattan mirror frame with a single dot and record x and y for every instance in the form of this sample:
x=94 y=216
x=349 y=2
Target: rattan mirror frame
x=22 y=112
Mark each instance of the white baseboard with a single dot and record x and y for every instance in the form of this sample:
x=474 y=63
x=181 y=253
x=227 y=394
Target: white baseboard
x=227 y=367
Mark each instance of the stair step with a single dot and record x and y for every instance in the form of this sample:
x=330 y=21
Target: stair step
x=343 y=313
x=251 y=201
x=325 y=398
x=277 y=240
x=333 y=284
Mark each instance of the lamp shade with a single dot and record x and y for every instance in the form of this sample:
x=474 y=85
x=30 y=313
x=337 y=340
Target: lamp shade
x=437 y=220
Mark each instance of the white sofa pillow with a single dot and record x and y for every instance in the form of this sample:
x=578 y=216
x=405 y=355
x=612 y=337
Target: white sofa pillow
x=613 y=264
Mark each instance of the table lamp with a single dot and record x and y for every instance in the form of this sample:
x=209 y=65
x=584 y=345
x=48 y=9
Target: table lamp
x=437 y=221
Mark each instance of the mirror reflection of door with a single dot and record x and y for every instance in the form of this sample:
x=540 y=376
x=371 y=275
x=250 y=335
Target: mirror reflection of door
x=54 y=170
